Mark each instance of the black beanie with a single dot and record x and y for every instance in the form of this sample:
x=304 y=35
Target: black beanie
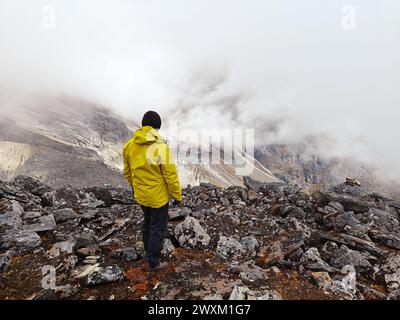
x=152 y=119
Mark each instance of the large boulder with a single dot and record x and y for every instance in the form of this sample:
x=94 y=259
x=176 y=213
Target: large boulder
x=228 y=247
x=44 y=223
x=190 y=234
x=352 y=204
x=20 y=239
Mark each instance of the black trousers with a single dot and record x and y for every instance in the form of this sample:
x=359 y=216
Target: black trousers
x=154 y=229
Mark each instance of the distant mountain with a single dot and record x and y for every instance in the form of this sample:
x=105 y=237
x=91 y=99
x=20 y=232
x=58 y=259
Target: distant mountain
x=294 y=164
x=65 y=140
x=62 y=141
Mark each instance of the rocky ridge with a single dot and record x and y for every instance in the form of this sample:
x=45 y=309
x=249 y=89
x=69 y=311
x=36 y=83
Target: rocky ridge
x=264 y=241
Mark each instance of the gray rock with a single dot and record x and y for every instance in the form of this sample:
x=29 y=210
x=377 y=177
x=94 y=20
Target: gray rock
x=63 y=215
x=389 y=239
x=16 y=208
x=168 y=248
x=391 y=264
x=32 y=215
x=44 y=223
x=104 y=275
x=66 y=291
x=311 y=260
x=88 y=214
x=344 y=220
x=335 y=207
x=5 y=260
x=213 y=296
x=395 y=295
x=391 y=271
x=20 y=239
x=59 y=247
x=328 y=250
x=244 y=293
x=11 y=214
x=127 y=254
x=252 y=275
x=271 y=254
x=190 y=234
x=258 y=186
x=198 y=214
x=351 y=190
x=31 y=185
x=12 y=192
x=10 y=220
x=354 y=243
x=345 y=256
x=384 y=221
x=352 y=204
x=311 y=256
x=225 y=202
x=229 y=247
x=348 y=285
x=239 y=293
x=111 y=196
x=70 y=197
x=178 y=213
x=250 y=243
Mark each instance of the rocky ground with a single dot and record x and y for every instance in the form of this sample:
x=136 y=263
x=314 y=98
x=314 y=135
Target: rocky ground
x=265 y=241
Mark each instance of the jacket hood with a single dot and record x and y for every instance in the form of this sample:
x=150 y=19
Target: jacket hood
x=147 y=135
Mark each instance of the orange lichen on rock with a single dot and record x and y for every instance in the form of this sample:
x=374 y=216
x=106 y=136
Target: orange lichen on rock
x=135 y=275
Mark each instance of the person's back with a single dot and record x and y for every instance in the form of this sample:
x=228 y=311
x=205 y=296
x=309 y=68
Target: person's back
x=150 y=170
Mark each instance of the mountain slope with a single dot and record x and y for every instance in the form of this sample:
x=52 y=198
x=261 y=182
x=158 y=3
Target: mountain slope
x=64 y=140
x=294 y=164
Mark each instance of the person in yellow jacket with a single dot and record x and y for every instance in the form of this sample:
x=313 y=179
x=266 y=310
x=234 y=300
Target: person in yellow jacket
x=151 y=172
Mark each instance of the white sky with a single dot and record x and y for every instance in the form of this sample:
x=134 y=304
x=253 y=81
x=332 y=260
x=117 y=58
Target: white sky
x=288 y=62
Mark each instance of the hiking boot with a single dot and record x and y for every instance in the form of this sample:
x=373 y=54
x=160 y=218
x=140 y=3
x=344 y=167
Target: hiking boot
x=160 y=267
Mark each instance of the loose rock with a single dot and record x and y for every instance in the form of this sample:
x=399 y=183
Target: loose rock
x=190 y=234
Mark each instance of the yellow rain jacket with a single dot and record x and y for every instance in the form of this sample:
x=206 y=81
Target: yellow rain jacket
x=150 y=169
